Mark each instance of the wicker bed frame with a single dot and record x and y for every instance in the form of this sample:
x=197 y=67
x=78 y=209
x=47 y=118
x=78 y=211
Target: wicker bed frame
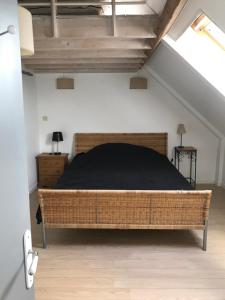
x=124 y=209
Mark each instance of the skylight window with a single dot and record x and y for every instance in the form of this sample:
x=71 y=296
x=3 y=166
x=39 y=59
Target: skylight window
x=203 y=46
x=204 y=26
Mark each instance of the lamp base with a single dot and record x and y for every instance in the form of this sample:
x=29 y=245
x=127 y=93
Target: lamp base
x=57 y=153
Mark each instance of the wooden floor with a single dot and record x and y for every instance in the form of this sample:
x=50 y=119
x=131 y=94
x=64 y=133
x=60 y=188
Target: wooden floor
x=133 y=265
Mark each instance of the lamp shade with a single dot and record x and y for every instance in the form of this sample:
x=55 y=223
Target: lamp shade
x=26 y=32
x=57 y=136
x=181 y=129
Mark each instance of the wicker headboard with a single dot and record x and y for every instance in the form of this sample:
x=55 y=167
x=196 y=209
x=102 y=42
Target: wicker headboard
x=87 y=141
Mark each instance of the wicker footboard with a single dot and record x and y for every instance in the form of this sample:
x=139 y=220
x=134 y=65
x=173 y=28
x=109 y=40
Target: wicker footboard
x=125 y=209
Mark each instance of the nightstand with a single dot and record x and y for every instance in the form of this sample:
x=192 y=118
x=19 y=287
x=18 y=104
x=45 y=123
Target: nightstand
x=191 y=153
x=50 y=168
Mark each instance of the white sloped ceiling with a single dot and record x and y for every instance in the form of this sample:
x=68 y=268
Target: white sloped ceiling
x=204 y=98
x=188 y=83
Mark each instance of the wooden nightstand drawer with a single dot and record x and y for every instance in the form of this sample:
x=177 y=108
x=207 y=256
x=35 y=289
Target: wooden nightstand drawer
x=50 y=168
x=51 y=162
x=48 y=181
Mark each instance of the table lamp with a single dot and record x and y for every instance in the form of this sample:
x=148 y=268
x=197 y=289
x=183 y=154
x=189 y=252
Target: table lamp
x=57 y=136
x=181 y=130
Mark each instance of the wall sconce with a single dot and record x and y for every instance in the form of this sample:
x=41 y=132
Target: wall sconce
x=138 y=83
x=65 y=83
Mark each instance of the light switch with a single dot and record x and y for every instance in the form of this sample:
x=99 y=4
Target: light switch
x=45 y=118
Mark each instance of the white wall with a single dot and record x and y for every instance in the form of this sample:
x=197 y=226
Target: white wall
x=104 y=103
x=31 y=123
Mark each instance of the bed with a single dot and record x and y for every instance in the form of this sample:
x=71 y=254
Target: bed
x=123 y=181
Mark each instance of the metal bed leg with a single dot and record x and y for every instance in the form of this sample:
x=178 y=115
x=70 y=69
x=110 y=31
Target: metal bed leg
x=44 y=235
x=205 y=232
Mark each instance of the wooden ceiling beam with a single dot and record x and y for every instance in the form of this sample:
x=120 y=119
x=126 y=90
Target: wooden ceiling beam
x=64 y=71
x=97 y=3
x=114 y=17
x=40 y=61
x=54 y=19
x=80 y=66
x=97 y=43
x=170 y=13
x=96 y=26
x=100 y=3
x=92 y=43
x=70 y=54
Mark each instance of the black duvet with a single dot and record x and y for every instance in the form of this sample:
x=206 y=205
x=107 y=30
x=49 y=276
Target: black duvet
x=121 y=166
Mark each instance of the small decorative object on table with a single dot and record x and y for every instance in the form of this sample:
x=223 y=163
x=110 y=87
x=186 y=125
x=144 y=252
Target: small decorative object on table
x=57 y=136
x=181 y=130
x=191 y=153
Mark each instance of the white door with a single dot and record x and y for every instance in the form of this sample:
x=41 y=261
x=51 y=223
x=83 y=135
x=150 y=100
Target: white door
x=14 y=201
